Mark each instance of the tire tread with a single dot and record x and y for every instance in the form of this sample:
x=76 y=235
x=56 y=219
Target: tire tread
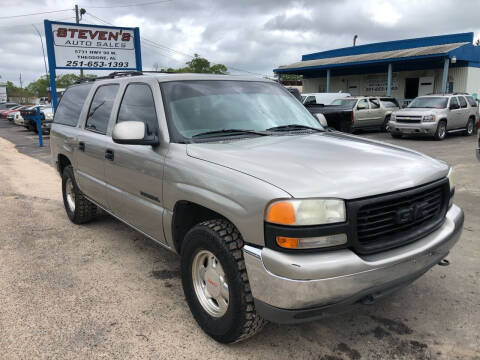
x=234 y=242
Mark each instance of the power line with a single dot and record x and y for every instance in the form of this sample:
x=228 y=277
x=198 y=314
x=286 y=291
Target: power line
x=36 y=23
x=129 y=5
x=38 y=13
x=176 y=51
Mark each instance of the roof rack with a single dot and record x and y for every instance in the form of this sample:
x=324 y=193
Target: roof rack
x=117 y=74
x=112 y=75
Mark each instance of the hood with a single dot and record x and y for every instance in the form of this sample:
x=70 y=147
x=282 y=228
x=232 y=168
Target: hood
x=418 y=111
x=324 y=164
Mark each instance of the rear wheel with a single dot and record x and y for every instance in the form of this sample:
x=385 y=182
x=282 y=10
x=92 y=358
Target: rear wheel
x=215 y=282
x=441 y=130
x=469 y=129
x=78 y=208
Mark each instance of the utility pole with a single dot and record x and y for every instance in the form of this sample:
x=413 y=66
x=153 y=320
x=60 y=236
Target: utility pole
x=21 y=83
x=77 y=20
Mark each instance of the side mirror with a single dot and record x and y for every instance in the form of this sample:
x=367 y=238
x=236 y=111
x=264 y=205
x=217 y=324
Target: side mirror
x=361 y=107
x=454 y=106
x=321 y=119
x=133 y=133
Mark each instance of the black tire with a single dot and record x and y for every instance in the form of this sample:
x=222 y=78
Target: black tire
x=441 y=131
x=396 y=135
x=470 y=127
x=384 y=126
x=84 y=210
x=223 y=240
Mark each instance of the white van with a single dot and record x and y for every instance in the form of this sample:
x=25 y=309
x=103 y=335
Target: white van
x=322 y=98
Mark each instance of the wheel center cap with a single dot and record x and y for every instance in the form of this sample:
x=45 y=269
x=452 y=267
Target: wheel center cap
x=212 y=281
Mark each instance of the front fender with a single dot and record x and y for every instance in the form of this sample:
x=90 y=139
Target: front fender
x=239 y=197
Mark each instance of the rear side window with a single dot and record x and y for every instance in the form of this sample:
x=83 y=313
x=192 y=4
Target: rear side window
x=374 y=103
x=389 y=103
x=71 y=104
x=463 y=102
x=471 y=101
x=100 y=108
x=138 y=105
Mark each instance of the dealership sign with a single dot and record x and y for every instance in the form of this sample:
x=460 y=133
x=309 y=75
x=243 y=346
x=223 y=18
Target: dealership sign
x=90 y=47
x=78 y=46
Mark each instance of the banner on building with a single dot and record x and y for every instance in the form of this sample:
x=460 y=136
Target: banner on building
x=378 y=84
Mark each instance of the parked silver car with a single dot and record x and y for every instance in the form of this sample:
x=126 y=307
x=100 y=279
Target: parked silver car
x=435 y=115
x=273 y=217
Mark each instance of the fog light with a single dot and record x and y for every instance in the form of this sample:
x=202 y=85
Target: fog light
x=312 y=242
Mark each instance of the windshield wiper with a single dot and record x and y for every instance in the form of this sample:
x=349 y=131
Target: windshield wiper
x=229 y=132
x=293 y=127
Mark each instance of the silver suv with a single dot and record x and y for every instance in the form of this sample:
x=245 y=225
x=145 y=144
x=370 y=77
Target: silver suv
x=273 y=217
x=435 y=115
x=368 y=112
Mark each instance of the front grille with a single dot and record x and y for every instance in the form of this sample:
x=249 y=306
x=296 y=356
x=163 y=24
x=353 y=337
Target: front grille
x=409 y=121
x=396 y=219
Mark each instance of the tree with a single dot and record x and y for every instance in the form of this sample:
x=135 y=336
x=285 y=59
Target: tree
x=200 y=65
x=15 y=91
x=39 y=87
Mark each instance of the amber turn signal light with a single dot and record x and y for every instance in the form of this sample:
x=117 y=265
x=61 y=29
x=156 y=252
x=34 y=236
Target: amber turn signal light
x=287 y=243
x=281 y=212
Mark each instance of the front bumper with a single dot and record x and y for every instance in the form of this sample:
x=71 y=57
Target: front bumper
x=428 y=128
x=290 y=288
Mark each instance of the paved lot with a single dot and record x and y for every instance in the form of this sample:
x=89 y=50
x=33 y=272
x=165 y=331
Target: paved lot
x=103 y=291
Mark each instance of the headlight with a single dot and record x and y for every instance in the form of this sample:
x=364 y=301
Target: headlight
x=306 y=212
x=392 y=117
x=49 y=116
x=452 y=186
x=429 y=118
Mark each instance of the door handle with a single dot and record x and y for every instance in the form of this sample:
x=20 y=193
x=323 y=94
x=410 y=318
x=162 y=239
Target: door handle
x=81 y=146
x=109 y=155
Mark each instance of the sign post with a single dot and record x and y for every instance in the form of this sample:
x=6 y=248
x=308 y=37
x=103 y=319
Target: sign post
x=90 y=47
x=38 y=123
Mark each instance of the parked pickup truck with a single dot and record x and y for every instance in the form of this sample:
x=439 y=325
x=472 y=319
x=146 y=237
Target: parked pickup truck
x=357 y=112
x=273 y=217
x=435 y=115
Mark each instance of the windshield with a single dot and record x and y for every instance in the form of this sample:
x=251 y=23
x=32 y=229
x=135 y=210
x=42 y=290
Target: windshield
x=201 y=106
x=349 y=103
x=429 y=102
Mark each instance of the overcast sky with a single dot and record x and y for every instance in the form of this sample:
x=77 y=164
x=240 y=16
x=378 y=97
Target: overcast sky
x=250 y=35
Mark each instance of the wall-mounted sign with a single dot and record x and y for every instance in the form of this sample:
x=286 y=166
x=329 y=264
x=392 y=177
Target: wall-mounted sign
x=90 y=47
x=378 y=84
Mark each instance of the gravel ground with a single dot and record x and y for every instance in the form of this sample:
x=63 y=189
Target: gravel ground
x=104 y=291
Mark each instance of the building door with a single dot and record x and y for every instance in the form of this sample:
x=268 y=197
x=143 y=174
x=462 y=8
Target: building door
x=426 y=86
x=411 y=88
x=353 y=87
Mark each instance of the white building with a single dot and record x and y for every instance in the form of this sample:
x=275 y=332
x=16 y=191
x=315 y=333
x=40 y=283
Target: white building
x=404 y=69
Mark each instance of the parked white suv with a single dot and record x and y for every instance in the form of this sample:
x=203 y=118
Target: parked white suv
x=435 y=115
x=322 y=98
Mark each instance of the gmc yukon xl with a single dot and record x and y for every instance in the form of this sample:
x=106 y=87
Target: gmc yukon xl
x=274 y=218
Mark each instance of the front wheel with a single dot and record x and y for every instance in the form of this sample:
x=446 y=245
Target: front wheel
x=384 y=126
x=470 y=127
x=215 y=282
x=441 y=130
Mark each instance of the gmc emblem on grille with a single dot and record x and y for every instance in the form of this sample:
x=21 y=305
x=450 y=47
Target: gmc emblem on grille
x=411 y=213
